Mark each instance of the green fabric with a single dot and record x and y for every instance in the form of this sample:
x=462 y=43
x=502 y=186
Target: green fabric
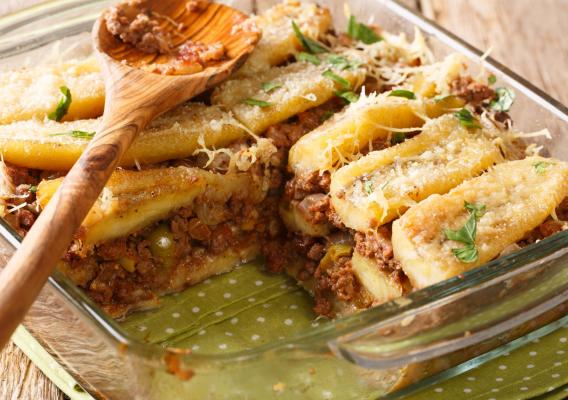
x=248 y=307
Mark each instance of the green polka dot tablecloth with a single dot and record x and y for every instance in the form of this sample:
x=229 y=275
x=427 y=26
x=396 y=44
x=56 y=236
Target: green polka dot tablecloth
x=248 y=307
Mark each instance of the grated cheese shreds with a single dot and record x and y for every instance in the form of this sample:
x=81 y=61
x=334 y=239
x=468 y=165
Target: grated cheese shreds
x=512 y=208
x=34 y=92
x=382 y=185
x=298 y=80
x=374 y=117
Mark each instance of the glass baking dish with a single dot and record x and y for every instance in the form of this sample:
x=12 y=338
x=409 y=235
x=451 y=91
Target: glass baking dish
x=406 y=343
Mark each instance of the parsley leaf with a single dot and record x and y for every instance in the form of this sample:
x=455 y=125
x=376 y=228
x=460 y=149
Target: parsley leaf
x=541 y=166
x=270 y=86
x=307 y=57
x=33 y=189
x=76 y=134
x=504 y=100
x=342 y=63
x=466 y=254
x=348 y=95
x=256 y=102
x=326 y=115
x=477 y=210
x=368 y=187
x=467 y=234
x=402 y=93
x=336 y=78
x=466 y=119
x=63 y=105
x=362 y=32
x=310 y=45
x=491 y=79
x=397 y=137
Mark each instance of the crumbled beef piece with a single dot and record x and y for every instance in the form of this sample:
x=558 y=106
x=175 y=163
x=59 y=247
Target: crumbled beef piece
x=25 y=219
x=197 y=52
x=21 y=176
x=314 y=208
x=550 y=227
x=222 y=238
x=316 y=252
x=375 y=244
x=138 y=28
x=198 y=230
x=276 y=257
x=299 y=187
x=471 y=91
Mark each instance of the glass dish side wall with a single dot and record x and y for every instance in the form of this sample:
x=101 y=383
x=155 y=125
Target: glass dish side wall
x=111 y=365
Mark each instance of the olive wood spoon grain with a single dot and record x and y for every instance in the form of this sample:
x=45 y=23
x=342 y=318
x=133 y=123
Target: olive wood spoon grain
x=133 y=98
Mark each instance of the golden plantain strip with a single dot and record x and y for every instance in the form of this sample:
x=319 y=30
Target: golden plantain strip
x=132 y=200
x=50 y=145
x=379 y=187
x=303 y=87
x=380 y=285
x=517 y=195
x=279 y=41
x=34 y=92
x=342 y=137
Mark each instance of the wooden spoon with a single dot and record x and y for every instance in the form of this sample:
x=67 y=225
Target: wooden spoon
x=133 y=98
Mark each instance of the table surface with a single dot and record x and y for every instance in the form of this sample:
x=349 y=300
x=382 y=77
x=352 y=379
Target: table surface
x=528 y=39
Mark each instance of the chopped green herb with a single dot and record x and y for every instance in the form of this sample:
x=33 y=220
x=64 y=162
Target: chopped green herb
x=342 y=63
x=491 y=79
x=541 y=166
x=466 y=254
x=326 y=115
x=403 y=93
x=33 y=189
x=63 y=105
x=362 y=32
x=477 y=210
x=78 y=388
x=466 y=119
x=397 y=137
x=307 y=57
x=76 y=134
x=338 y=79
x=310 y=45
x=348 y=95
x=368 y=187
x=504 y=100
x=270 y=86
x=256 y=102
x=467 y=234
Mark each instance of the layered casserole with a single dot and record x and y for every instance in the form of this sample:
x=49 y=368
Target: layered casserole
x=354 y=162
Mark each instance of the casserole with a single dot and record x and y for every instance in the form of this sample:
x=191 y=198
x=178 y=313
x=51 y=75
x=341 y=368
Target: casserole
x=363 y=347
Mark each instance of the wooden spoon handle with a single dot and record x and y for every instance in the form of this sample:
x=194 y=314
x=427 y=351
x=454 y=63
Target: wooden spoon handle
x=44 y=245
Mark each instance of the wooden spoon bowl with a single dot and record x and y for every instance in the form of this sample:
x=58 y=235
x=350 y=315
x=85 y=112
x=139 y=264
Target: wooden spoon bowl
x=134 y=97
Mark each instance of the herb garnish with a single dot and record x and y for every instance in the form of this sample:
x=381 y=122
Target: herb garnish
x=466 y=119
x=307 y=57
x=270 y=86
x=33 y=189
x=76 y=134
x=342 y=63
x=78 y=388
x=504 y=100
x=491 y=79
x=63 y=105
x=541 y=166
x=362 y=32
x=467 y=234
x=348 y=95
x=368 y=187
x=338 y=79
x=397 y=137
x=326 y=115
x=402 y=93
x=310 y=45
x=256 y=102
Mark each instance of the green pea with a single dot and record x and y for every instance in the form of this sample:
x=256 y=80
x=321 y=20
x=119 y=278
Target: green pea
x=162 y=243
